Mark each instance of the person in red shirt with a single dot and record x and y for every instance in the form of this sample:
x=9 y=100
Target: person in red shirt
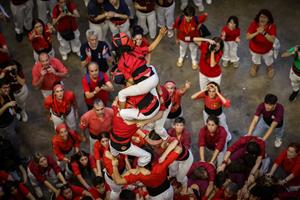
x=100 y=189
x=261 y=34
x=187 y=27
x=153 y=176
x=213 y=104
x=211 y=53
x=214 y=138
x=41 y=38
x=231 y=36
x=229 y=192
x=17 y=191
x=4 y=52
x=289 y=161
x=96 y=84
x=180 y=132
x=72 y=192
x=64 y=16
x=96 y=121
x=62 y=106
x=100 y=147
x=64 y=141
x=46 y=72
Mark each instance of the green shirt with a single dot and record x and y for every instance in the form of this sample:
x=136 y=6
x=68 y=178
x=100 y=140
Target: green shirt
x=296 y=58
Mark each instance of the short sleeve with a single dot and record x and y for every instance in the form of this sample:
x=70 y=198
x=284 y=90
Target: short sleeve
x=201 y=137
x=259 y=110
x=202 y=18
x=85 y=85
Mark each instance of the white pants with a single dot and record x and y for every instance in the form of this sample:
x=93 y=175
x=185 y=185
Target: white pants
x=101 y=29
x=230 y=51
x=268 y=58
x=166 y=195
x=184 y=3
x=295 y=81
x=115 y=189
x=66 y=46
x=204 y=80
x=36 y=55
x=45 y=8
x=22 y=15
x=149 y=19
x=165 y=16
x=143 y=156
x=179 y=169
x=46 y=93
x=119 y=28
x=21 y=97
x=70 y=120
x=193 y=48
x=142 y=87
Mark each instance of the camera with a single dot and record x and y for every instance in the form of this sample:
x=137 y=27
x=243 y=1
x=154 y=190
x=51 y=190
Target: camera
x=212 y=47
x=13 y=72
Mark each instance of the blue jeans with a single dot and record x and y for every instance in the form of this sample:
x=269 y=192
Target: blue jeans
x=262 y=127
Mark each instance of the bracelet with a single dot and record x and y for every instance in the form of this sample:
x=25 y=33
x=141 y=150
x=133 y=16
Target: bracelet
x=224 y=162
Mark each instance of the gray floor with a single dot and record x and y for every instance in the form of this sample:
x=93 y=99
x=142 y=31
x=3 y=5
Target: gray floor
x=244 y=92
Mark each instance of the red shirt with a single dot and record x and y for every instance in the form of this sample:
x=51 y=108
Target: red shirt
x=4 y=57
x=231 y=35
x=22 y=192
x=40 y=173
x=289 y=165
x=176 y=100
x=60 y=147
x=242 y=142
x=158 y=173
x=213 y=104
x=212 y=142
x=98 y=150
x=60 y=107
x=95 y=124
x=102 y=94
x=204 y=62
x=3 y=176
x=186 y=31
x=184 y=138
x=76 y=168
x=259 y=44
x=210 y=169
x=270 y=116
x=76 y=191
x=221 y=196
x=67 y=22
x=94 y=192
x=49 y=78
x=107 y=163
x=149 y=4
x=42 y=42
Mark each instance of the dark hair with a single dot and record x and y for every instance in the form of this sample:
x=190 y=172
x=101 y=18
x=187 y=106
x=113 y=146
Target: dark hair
x=37 y=157
x=8 y=185
x=295 y=145
x=213 y=46
x=149 y=149
x=37 y=20
x=235 y=19
x=179 y=120
x=213 y=118
x=76 y=158
x=154 y=136
x=220 y=179
x=199 y=173
x=215 y=84
x=4 y=81
x=86 y=198
x=98 y=180
x=137 y=30
x=189 y=11
x=271 y=99
x=263 y=192
x=102 y=135
x=127 y=195
x=249 y=160
x=267 y=13
x=253 y=148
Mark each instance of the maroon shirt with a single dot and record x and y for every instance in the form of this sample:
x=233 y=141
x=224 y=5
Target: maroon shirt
x=210 y=169
x=275 y=115
x=212 y=141
x=184 y=139
x=149 y=4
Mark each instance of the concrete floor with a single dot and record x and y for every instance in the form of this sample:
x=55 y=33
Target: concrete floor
x=244 y=92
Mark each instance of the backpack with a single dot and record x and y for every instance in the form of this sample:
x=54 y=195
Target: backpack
x=203 y=30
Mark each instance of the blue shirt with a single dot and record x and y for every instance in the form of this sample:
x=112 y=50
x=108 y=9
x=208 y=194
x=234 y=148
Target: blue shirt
x=122 y=9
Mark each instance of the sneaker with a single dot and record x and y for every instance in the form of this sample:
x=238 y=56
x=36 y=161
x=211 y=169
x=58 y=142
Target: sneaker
x=179 y=62
x=170 y=33
x=208 y=1
x=194 y=65
x=78 y=54
x=201 y=8
x=293 y=96
x=253 y=70
x=236 y=64
x=64 y=57
x=277 y=142
x=24 y=116
x=270 y=72
x=183 y=6
x=225 y=63
x=19 y=37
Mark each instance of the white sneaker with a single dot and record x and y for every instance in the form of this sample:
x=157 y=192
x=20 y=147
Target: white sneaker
x=235 y=64
x=170 y=33
x=225 y=63
x=194 y=65
x=201 y=7
x=179 y=62
x=208 y=1
x=277 y=142
x=78 y=53
x=24 y=116
x=64 y=57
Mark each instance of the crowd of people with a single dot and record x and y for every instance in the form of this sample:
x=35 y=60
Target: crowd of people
x=138 y=143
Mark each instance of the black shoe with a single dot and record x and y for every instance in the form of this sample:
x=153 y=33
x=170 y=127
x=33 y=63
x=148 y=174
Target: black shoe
x=293 y=96
x=19 y=37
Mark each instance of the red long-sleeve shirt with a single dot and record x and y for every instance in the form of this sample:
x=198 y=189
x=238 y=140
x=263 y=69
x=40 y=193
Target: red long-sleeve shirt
x=210 y=169
x=212 y=141
x=76 y=168
x=289 y=165
x=184 y=138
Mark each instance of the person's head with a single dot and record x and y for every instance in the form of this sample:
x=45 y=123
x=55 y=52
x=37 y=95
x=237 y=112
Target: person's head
x=154 y=136
x=170 y=86
x=62 y=3
x=99 y=184
x=137 y=35
x=66 y=192
x=4 y=86
x=98 y=107
x=103 y=138
x=220 y=179
x=93 y=70
x=189 y=13
x=92 y=38
x=62 y=131
x=231 y=190
x=261 y=192
x=127 y=195
x=38 y=26
x=270 y=102
x=264 y=17
x=40 y=159
x=11 y=187
x=233 y=22
x=212 y=123
x=179 y=124
x=44 y=60
x=58 y=91
x=253 y=148
x=217 y=47
x=83 y=158
x=293 y=150
x=211 y=92
x=200 y=173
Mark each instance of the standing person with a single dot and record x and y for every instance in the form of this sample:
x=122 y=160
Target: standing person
x=268 y=118
x=22 y=11
x=64 y=16
x=47 y=71
x=95 y=50
x=44 y=9
x=4 y=52
x=261 y=35
x=295 y=70
x=231 y=36
x=211 y=53
x=198 y=3
x=145 y=12
x=97 y=120
x=118 y=15
x=41 y=38
x=165 y=15
x=187 y=27
x=62 y=106
x=95 y=84
x=97 y=18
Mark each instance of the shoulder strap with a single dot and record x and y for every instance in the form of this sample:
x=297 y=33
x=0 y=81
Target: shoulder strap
x=196 y=20
x=180 y=20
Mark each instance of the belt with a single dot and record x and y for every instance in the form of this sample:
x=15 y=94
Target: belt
x=61 y=114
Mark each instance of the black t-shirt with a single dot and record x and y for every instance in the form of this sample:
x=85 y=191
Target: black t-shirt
x=10 y=160
x=96 y=55
x=6 y=118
